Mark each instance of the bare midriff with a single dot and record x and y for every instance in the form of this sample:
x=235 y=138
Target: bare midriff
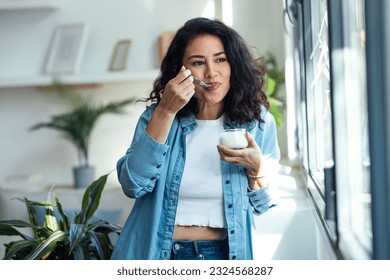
x=198 y=233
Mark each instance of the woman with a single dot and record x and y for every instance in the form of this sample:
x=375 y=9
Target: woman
x=194 y=197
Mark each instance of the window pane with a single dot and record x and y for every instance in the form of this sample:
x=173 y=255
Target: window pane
x=320 y=120
x=355 y=219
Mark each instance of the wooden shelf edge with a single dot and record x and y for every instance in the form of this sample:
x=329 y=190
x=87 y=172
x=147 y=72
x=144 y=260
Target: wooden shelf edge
x=81 y=79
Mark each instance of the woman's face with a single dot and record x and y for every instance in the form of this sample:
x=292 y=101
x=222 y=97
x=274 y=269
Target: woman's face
x=206 y=58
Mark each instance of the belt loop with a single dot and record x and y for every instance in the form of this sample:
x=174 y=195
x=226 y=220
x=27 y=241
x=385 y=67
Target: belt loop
x=196 y=248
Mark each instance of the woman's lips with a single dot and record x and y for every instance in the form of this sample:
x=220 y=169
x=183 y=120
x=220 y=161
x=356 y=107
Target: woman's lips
x=214 y=86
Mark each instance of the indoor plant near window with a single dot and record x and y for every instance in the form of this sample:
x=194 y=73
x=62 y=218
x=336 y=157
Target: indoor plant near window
x=77 y=125
x=273 y=80
x=58 y=237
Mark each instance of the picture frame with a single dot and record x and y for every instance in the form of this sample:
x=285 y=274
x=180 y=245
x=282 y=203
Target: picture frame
x=120 y=54
x=67 y=48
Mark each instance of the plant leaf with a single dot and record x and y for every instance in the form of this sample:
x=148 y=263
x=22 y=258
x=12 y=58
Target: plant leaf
x=7 y=227
x=77 y=124
x=91 y=200
x=270 y=86
x=32 y=215
x=81 y=252
x=275 y=110
x=50 y=218
x=14 y=247
x=76 y=234
x=105 y=227
x=15 y=223
x=101 y=244
x=64 y=219
x=47 y=246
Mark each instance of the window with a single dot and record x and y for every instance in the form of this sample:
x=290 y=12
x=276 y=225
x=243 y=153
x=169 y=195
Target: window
x=351 y=137
x=319 y=116
x=318 y=96
x=334 y=112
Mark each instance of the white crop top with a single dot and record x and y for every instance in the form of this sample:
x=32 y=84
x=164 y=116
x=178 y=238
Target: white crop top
x=201 y=195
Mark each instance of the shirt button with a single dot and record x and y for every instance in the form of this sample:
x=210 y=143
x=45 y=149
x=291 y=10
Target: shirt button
x=230 y=206
x=234 y=257
x=164 y=154
x=232 y=231
x=227 y=181
x=159 y=166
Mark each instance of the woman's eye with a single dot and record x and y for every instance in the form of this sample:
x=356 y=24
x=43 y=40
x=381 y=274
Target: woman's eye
x=197 y=63
x=222 y=59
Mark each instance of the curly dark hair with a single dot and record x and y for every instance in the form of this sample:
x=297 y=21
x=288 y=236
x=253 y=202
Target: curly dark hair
x=246 y=93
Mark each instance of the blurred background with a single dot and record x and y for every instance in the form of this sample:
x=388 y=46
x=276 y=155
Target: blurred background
x=26 y=41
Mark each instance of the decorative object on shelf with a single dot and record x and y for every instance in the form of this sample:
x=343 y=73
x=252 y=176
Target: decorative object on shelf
x=77 y=125
x=120 y=54
x=56 y=236
x=164 y=40
x=67 y=48
x=273 y=80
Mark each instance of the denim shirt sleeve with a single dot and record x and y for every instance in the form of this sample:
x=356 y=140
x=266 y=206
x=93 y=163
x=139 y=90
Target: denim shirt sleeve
x=140 y=168
x=263 y=199
x=266 y=137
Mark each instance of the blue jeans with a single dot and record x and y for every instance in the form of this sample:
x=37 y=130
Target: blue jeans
x=197 y=250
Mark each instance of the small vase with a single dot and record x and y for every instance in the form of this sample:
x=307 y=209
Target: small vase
x=83 y=176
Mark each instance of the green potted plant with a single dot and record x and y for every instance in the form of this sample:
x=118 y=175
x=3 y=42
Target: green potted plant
x=273 y=80
x=58 y=237
x=77 y=125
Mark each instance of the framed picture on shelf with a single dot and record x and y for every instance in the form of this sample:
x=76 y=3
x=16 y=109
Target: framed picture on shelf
x=120 y=54
x=67 y=48
x=164 y=40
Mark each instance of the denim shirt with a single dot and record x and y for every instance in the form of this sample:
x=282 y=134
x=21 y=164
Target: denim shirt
x=150 y=172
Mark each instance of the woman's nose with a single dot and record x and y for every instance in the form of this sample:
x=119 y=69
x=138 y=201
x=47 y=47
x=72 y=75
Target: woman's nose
x=210 y=72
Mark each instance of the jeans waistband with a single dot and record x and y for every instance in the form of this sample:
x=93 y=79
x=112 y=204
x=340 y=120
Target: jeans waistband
x=196 y=249
x=203 y=244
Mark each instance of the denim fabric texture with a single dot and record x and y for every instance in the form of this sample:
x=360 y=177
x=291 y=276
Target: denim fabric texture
x=197 y=250
x=150 y=172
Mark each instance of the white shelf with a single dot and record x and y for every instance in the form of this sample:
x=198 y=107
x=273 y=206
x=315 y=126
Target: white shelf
x=28 y=4
x=80 y=79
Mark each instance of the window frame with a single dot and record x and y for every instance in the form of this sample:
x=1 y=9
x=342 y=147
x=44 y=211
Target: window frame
x=378 y=108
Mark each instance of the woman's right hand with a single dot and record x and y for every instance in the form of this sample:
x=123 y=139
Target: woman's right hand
x=177 y=92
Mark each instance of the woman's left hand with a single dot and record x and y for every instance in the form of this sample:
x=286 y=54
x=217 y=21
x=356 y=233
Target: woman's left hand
x=250 y=157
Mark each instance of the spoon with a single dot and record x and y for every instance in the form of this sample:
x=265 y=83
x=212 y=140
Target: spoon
x=203 y=84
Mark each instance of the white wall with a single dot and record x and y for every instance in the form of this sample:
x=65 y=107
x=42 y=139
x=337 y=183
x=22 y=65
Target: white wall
x=25 y=37
x=260 y=23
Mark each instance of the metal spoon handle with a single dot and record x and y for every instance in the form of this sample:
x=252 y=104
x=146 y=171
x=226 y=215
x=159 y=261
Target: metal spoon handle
x=203 y=84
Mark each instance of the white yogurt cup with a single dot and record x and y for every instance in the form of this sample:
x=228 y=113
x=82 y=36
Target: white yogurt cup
x=233 y=138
